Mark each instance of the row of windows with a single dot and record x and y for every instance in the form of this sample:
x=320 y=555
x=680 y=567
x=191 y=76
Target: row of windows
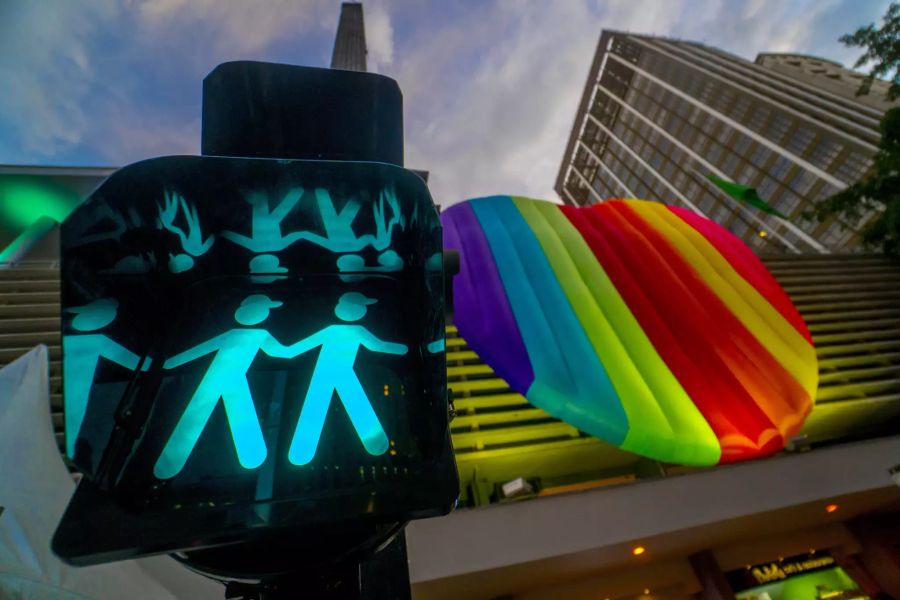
x=761 y=119
x=823 y=153
x=783 y=181
x=670 y=163
x=765 y=84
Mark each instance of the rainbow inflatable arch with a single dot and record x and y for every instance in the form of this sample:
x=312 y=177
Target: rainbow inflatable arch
x=642 y=324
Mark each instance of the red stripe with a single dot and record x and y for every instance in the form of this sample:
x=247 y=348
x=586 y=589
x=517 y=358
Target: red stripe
x=774 y=389
x=631 y=261
x=747 y=264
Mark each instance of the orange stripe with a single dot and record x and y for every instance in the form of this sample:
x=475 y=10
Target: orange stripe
x=762 y=320
x=747 y=264
x=772 y=387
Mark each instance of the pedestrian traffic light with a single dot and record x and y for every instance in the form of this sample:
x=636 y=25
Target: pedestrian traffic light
x=251 y=345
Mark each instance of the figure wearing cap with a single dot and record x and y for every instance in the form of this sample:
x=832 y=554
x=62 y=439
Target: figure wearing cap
x=226 y=378
x=82 y=355
x=334 y=373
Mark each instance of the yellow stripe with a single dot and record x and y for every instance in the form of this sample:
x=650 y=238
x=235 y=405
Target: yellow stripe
x=663 y=421
x=762 y=319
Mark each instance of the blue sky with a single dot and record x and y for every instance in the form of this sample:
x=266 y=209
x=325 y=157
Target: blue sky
x=490 y=87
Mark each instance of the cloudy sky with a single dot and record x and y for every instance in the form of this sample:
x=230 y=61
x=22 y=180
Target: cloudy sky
x=490 y=87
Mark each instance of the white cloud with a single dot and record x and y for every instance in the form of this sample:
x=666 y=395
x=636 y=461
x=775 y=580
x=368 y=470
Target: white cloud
x=46 y=75
x=490 y=98
x=242 y=26
x=379 y=36
x=490 y=88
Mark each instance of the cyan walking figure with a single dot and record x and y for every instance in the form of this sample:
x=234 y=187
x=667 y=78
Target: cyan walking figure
x=265 y=225
x=192 y=241
x=339 y=234
x=226 y=378
x=334 y=373
x=263 y=267
x=82 y=355
x=267 y=237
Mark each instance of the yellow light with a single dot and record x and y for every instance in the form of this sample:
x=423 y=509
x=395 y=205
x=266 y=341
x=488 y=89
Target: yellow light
x=831 y=508
x=763 y=234
x=646 y=592
x=638 y=550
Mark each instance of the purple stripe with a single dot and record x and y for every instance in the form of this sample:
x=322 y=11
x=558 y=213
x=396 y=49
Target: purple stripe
x=481 y=310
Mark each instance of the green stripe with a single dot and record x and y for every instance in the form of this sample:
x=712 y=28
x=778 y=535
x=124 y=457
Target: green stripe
x=663 y=421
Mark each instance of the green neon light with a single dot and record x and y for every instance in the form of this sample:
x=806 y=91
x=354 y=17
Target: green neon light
x=334 y=373
x=26 y=240
x=226 y=378
x=436 y=346
x=82 y=353
x=25 y=199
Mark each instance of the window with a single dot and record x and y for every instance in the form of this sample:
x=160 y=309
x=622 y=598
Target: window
x=824 y=151
x=715 y=153
x=740 y=228
x=780 y=167
x=668 y=171
x=777 y=128
x=799 y=140
x=748 y=174
x=760 y=155
x=760 y=114
x=788 y=202
x=740 y=147
x=767 y=188
x=801 y=182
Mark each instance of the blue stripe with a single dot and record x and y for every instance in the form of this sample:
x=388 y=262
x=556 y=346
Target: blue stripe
x=570 y=381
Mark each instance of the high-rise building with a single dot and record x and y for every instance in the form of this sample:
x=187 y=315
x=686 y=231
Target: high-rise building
x=658 y=116
x=350 y=51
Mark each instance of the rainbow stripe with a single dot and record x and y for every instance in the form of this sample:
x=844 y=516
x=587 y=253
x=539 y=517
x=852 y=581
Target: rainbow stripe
x=645 y=325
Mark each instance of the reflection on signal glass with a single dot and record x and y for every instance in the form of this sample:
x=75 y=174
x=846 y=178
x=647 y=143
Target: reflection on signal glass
x=82 y=353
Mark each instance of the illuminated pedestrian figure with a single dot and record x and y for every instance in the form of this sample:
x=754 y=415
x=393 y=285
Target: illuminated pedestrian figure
x=192 y=241
x=334 y=373
x=339 y=234
x=263 y=268
x=226 y=378
x=353 y=267
x=82 y=355
x=265 y=225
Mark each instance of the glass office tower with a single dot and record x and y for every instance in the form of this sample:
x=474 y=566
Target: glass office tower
x=658 y=116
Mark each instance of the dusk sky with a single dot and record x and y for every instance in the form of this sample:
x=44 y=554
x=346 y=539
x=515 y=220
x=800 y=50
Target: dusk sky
x=490 y=87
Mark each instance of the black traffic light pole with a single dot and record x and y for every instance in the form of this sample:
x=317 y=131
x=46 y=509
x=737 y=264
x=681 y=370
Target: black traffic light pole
x=264 y=110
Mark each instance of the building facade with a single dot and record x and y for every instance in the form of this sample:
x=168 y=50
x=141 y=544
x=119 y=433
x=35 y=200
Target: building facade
x=658 y=116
